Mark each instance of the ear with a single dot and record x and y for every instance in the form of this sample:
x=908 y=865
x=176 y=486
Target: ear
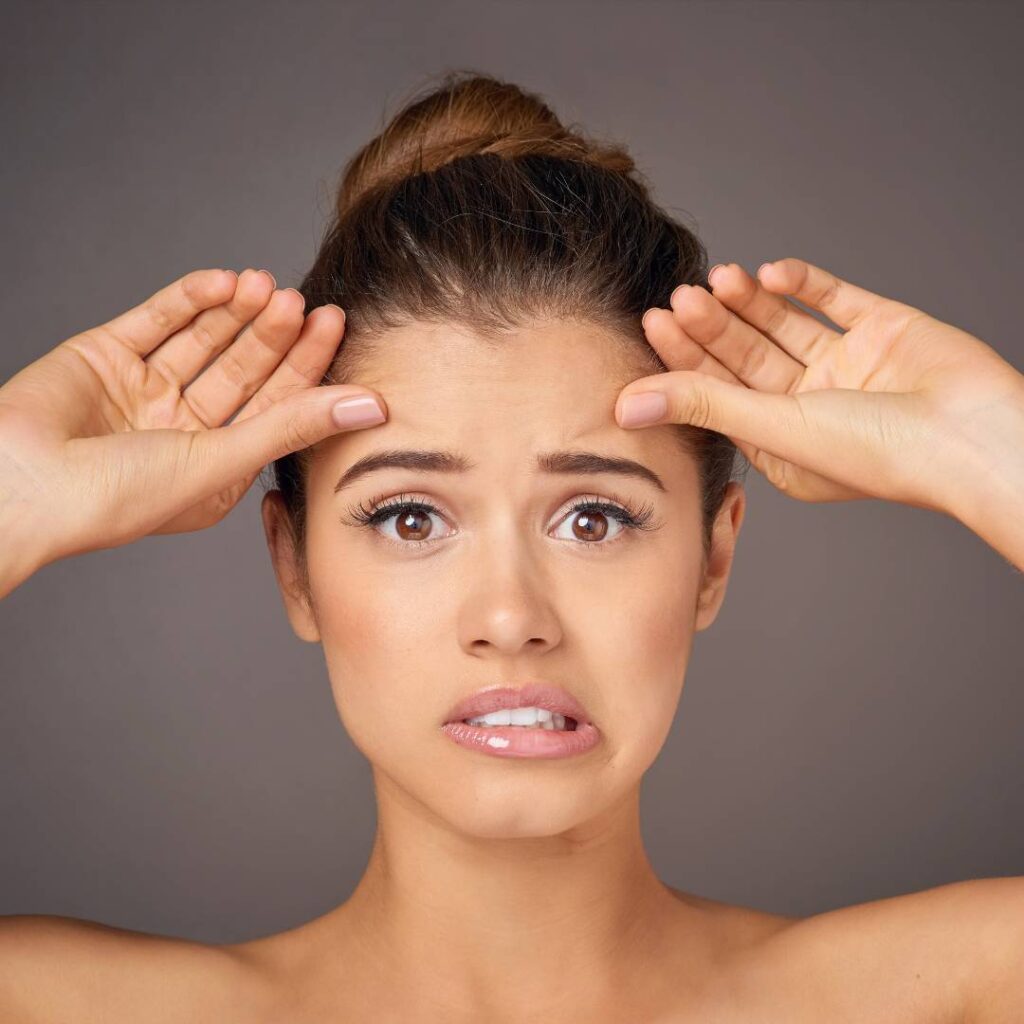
x=282 y=555
x=724 y=533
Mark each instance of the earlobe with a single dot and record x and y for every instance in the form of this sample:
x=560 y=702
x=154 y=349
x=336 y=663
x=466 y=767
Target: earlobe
x=719 y=562
x=283 y=558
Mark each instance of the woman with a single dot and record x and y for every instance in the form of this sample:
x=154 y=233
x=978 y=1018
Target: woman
x=473 y=519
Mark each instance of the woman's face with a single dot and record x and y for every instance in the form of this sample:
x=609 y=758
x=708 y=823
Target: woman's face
x=503 y=584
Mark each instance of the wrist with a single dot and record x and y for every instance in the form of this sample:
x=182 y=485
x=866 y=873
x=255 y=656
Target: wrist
x=987 y=493
x=21 y=553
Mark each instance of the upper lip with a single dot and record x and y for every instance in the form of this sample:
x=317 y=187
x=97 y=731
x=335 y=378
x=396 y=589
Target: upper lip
x=531 y=694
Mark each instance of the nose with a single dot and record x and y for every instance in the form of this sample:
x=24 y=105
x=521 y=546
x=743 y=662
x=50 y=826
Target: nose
x=508 y=606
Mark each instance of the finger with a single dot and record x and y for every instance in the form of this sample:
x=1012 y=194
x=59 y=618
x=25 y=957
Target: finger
x=244 y=367
x=791 y=328
x=801 y=483
x=306 y=362
x=678 y=351
x=183 y=355
x=805 y=429
x=292 y=424
x=149 y=324
x=754 y=359
x=712 y=404
x=843 y=303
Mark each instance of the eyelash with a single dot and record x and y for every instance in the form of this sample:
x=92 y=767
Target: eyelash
x=627 y=515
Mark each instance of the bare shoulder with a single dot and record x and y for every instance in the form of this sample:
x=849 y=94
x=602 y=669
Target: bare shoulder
x=60 y=968
x=950 y=953
x=733 y=929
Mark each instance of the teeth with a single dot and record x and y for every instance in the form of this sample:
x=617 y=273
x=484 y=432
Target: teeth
x=530 y=717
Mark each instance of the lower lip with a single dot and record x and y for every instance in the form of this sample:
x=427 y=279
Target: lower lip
x=519 y=741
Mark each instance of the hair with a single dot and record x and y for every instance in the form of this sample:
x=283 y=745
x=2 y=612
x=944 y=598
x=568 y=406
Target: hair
x=476 y=206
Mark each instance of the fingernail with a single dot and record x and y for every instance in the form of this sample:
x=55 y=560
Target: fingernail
x=357 y=412
x=763 y=265
x=335 y=306
x=273 y=280
x=679 y=291
x=711 y=272
x=643 y=320
x=643 y=408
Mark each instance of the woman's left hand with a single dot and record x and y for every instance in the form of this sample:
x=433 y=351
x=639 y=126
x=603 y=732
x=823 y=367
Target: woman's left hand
x=896 y=405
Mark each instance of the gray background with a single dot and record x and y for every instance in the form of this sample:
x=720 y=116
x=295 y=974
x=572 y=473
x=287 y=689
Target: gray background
x=170 y=756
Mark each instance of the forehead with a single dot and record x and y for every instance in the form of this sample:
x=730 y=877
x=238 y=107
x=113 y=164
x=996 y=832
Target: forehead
x=570 y=372
x=500 y=402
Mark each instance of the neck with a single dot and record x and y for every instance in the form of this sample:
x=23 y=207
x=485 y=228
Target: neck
x=469 y=926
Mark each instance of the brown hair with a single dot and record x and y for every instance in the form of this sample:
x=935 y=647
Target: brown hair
x=475 y=206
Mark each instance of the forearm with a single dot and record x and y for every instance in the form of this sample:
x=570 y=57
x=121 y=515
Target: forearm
x=14 y=568
x=987 y=495
x=999 y=521
x=20 y=549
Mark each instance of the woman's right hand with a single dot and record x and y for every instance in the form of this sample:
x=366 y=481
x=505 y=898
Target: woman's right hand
x=112 y=436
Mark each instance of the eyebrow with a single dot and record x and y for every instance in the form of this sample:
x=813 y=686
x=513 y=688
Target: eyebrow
x=428 y=461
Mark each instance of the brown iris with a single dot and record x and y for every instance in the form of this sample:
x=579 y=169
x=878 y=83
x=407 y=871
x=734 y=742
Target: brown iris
x=407 y=521
x=596 y=525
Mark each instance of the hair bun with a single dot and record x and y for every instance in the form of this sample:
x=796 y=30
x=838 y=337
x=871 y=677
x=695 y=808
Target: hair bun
x=465 y=114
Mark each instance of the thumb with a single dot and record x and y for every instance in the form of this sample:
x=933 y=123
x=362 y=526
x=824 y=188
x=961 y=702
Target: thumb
x=771 y=421
x=288 y=425
x=861 y=439
x=778 y=425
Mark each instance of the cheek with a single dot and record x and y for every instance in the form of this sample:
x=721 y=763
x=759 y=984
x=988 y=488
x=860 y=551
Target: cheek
x=640 y=647
x=379 y=635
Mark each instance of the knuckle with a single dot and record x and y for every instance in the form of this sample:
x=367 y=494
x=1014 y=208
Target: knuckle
x=297 y=433
x=235 y=373
x=195 y=403
x=191 y=287
x=160 y=316
x=776 y=471
x=753 y=361
x=699 y=409
x=221 y=503
x=202 y=333
x=777 y=318
x=828 y=293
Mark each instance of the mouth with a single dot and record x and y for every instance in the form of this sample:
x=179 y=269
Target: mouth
x=535 y=705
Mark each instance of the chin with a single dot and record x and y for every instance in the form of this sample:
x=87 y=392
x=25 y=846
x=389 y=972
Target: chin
x=516 y=818
x=494 y=802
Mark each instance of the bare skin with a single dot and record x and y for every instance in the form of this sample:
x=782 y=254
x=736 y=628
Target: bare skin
x=579 y=928
x=941 y=956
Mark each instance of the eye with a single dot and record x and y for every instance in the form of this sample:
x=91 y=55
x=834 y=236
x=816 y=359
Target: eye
x=411 y=518
x=587 y=519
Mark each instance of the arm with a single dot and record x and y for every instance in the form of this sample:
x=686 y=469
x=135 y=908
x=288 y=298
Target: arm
x=989 y=912
x=21 y=545
x=990 y=498
x=16 y=561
